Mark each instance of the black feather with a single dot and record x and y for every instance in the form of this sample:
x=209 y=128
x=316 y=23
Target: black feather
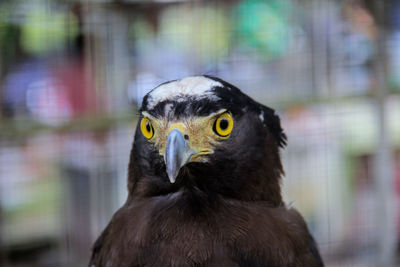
x=227 y=211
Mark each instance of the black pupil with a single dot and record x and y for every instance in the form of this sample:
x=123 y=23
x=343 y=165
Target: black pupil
x=148 y=127
x=223 y=124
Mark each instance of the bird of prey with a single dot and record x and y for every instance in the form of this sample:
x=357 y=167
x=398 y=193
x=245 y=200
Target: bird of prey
x=204 y=185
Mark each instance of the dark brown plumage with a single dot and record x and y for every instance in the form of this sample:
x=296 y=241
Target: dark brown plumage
x=225 y=208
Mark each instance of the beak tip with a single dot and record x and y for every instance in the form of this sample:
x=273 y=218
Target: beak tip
x=172 y=176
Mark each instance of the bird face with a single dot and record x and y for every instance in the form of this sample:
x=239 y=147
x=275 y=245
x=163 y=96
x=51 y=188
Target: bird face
x=207 y=127
x=189 y=140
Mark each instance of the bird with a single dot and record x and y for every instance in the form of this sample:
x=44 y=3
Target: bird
x=204 y=185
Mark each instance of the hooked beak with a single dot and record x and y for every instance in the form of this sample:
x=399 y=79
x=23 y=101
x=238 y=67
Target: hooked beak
x=177 y=153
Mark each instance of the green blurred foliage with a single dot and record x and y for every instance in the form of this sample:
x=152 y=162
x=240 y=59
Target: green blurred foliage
x=264 y=26
x=45 y=30
x=38 y=32
x=211 y=37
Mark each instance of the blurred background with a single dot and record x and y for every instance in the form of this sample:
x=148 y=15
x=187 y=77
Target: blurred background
x=73 y=73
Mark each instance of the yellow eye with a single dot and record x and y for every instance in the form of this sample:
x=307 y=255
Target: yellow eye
x=146 y=128
x=223 y=125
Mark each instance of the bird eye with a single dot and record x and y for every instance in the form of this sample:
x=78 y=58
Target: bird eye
x=146 y=128
x=223 y=125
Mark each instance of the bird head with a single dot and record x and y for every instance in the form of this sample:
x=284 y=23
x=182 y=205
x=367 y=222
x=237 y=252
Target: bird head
x=204 y=133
